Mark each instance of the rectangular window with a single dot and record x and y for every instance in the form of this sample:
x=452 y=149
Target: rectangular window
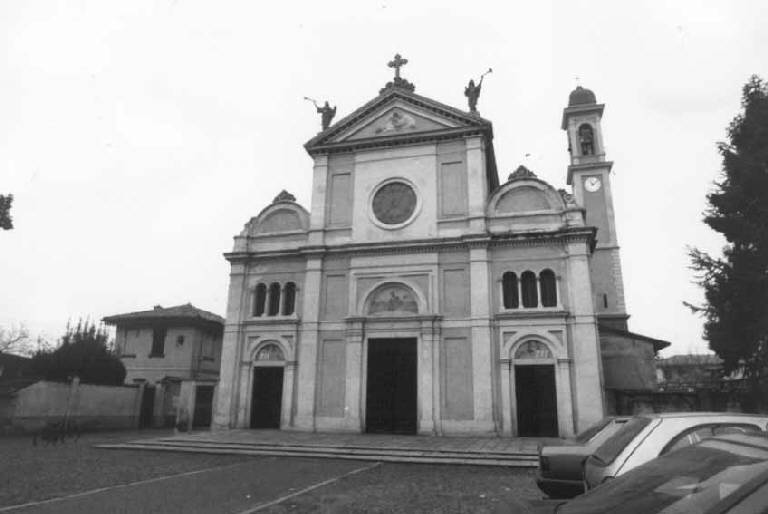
x=158 y=342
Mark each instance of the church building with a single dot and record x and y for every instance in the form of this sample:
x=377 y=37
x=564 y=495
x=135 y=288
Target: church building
x=420 y=294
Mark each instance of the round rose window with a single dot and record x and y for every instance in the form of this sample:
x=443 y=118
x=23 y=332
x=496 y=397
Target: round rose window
x=394 y=203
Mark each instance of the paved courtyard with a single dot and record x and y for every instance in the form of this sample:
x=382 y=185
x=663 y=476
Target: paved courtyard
x=77 y=478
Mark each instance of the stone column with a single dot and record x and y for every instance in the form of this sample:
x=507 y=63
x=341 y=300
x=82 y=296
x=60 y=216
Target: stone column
x=226 y=400
x=353 y=387
x=505 y=373
x=477 y=181
x=317 y=214
x=288 y=380
x=584 y=348
x=307 y=345
x=428 y=379
x=481 y=337
x=564 y=405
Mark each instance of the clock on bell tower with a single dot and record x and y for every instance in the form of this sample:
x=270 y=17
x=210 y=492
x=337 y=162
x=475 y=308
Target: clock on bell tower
x=589 y=175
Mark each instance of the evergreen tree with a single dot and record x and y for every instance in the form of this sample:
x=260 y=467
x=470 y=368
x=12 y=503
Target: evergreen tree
x=83 y=351
x=736 y=284
x=6 y=222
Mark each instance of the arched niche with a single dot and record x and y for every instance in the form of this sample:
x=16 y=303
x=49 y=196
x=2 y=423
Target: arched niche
x=392 y=299
x=532 y=349
x=269 y=352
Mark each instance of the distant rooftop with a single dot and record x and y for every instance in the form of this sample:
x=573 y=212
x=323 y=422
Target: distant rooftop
x=176 y=313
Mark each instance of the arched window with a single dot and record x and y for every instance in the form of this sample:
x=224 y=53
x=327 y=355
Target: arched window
x=528 y=285
x=586 y=139
x=274 y=299
x=259 y=299
x=289 y=298
x=548 y=288
x=509 y=290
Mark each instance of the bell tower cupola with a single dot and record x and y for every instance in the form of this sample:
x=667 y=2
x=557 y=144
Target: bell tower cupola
x=589 y=174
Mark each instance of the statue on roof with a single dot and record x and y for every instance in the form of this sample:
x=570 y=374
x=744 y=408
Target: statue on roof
x=472 y=91
x=326 y=112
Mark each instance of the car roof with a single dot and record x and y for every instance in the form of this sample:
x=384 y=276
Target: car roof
x=667 y=415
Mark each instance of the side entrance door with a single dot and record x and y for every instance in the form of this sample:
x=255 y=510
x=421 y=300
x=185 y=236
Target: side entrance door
x=390 y=404
x=267 y=397
x=203 y=406
x=536 y=401
x=147 y=407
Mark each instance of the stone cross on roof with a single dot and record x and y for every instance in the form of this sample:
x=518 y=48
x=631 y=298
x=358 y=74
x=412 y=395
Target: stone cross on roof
x=397 y=63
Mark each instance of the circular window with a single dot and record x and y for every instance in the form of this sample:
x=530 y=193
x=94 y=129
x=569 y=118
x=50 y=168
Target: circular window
x=394 y=203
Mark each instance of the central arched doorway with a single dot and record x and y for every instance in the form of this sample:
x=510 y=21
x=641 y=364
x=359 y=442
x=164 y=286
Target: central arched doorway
x=267 y=390
x=535 y=390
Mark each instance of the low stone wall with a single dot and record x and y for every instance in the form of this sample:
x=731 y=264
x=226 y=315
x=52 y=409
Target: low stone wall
x=85 y=406
x=627 y=403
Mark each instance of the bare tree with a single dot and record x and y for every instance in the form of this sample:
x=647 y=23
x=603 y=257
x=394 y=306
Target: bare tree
x=15 y=339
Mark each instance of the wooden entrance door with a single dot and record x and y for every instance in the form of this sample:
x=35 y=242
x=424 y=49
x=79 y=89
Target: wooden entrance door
x=267 y=397
x=536 y=401
x=390 y=403
x=203 y=406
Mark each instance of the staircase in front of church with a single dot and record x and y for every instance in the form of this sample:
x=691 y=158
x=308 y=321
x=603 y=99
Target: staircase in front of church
x=476 y=451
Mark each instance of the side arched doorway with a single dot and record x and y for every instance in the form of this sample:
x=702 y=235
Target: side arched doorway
x=267 y=388
x=535 y=390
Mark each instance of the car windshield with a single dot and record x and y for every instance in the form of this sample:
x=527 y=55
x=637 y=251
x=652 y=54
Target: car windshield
x=592 y=431
x=688 y=480
x=613 y=446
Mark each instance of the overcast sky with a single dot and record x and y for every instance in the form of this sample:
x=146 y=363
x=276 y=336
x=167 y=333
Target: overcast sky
x=138 y=137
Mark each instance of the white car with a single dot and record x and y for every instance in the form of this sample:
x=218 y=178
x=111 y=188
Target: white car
x=647 y=436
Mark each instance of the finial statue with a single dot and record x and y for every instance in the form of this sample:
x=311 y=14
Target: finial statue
x=326 y=112
x=472 y=91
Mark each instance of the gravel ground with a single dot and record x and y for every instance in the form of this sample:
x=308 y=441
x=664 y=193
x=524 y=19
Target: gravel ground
x=29 y=473
x=396 y=488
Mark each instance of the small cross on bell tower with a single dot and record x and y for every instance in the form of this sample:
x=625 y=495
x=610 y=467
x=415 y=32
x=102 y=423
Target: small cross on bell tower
x=398 y=82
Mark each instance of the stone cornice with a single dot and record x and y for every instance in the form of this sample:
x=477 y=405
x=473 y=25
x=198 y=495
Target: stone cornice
x=567 y=235
x=531 y=313
x=398 y=140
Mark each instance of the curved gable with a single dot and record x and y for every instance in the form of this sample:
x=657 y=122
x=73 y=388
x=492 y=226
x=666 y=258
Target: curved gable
x=523 y=199
x=280 y=220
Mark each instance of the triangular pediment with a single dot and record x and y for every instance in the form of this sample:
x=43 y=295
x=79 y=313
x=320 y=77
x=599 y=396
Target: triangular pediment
x=396 y=115
x=397 y=118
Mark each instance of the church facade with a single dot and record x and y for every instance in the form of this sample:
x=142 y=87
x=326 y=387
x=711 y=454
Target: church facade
x=419 y=294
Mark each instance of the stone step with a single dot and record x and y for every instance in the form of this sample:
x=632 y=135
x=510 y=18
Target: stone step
x=420 y=456
x=388 y=450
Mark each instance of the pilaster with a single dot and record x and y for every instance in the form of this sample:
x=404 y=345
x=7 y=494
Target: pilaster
x=319 y=189
x=481 y=336
x=307 y=347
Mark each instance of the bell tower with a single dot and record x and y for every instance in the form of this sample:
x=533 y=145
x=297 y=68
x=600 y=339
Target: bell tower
x=589 y=175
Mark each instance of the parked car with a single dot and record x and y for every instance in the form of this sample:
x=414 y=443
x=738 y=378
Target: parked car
x=561 y=467
x=647 y=436
x=723 y=474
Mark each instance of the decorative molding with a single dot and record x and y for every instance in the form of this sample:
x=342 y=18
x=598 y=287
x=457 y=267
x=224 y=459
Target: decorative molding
x=520 y=173
x=283 y=197
x=510 y=239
